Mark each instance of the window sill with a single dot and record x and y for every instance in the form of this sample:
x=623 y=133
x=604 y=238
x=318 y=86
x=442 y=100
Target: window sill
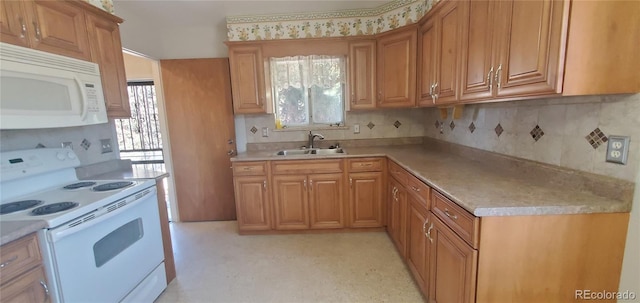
x=310 y=128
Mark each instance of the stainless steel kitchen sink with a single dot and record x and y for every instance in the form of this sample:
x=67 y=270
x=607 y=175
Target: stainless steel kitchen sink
x=315 y=151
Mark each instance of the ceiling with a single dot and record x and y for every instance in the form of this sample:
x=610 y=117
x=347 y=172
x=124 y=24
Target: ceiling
x=180 y=29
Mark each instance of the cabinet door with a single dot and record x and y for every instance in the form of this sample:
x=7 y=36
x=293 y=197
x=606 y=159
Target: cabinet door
x=362 y=74
x=13 y=23
x=449 y=25
x=454 y=266
x=58 y=27
x=247 y=79
x=290 y=202
x=252 y=203
x=365 y=199
x=418 y=244
x=106 y=50
x=325 y=201
x=477 y=49
x=532 y=46
x=397 y=69
x=397 y=215
x=29 y=287
x=426 y=77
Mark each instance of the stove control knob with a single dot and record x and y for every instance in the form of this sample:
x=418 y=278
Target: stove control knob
x=71 y=155
x=61 y=156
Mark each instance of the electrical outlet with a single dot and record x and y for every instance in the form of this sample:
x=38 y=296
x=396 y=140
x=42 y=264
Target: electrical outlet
x=356 y=128
x=618 y=149
x=68 y=145
x=106 y=146
x=265 y=132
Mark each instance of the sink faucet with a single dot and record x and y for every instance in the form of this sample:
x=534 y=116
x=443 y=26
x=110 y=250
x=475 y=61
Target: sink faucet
x=312 y=137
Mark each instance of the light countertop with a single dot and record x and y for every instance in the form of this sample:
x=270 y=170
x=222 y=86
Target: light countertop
x=13 y=230
x=486 y=189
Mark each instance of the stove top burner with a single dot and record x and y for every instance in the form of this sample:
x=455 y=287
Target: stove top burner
x=79 y=185
x=53 y=208
x=18 y=206
x=112 y=186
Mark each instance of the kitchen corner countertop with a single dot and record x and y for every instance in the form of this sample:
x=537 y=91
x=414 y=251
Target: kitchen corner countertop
x=13 y=230
x=479 y=187
x=135 y=172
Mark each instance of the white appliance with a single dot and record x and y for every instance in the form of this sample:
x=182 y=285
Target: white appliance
x=44 y=90
x=102 y=242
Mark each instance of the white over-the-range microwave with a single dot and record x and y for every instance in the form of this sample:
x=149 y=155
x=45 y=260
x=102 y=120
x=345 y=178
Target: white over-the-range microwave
x=44 y=90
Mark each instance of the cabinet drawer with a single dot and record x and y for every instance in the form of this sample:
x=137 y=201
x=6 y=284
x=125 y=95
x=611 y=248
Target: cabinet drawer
x=18 y=256
x=420 y=190
x=366 y=164
x=249 y=168
x=306 y=167
x=398 y=172
x=459 y=220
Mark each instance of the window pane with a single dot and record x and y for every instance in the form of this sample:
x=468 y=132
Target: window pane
x=328 y=105
x=291 y=104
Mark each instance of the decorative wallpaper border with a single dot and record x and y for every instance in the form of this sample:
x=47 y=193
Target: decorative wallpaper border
x=344 y=23
x=106 y=5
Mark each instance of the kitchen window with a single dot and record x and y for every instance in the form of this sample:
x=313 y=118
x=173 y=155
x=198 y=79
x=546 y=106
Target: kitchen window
x=308 y=90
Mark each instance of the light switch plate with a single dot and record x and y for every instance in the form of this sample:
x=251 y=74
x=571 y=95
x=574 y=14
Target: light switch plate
x=618 y=149
x=356 y=128
x=265 y=132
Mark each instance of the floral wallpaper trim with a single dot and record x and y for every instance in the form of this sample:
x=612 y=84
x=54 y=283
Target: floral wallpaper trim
x=332 y=24
x=106 y=5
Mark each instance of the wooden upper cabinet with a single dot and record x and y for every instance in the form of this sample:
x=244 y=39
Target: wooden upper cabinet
x=247 y=79
x=426 y=75
x=52 y=26
x=449 y=29
x=325 y=201
x=13 y=23
x=362 y=74
x=532 y=42
x=106 y=50
x=477 y=71
x=396 y=68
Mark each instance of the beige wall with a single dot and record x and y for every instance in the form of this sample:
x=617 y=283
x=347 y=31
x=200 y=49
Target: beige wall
x=137 y=68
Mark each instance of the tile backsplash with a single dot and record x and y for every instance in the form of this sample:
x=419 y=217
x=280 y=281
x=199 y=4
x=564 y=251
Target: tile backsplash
x=570 y=131
x=395 y=123
x=85 y=140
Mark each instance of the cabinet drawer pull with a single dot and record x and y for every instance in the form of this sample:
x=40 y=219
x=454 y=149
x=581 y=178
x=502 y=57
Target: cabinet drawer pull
x=46 y=289
x=365 y=164
x=247 y=168
x=415 y=188
x=446 y=212
x=5 y=264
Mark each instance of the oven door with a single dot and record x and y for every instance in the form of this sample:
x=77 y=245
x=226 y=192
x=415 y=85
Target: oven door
x=104 y=259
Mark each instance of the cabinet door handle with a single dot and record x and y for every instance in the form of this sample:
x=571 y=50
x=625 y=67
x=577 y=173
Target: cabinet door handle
x=415 y=188
x=435 y=86
x=305 y=184
x=46 y=289
x=429 y=233
x=23 y=28
x=446 y=212
x=231 y=152
x=351 y=182
x=37 y=30
x=379 y=96
x=424 y=226
x=264 y=184
x=5 y=264
x=310 y=184
x=431 y=90
x=499 y=76
x=490 y=79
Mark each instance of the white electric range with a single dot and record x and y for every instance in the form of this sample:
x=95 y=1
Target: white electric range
x=102 y=242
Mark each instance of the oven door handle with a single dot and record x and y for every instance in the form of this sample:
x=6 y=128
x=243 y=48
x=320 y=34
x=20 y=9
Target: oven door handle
x=56 y=235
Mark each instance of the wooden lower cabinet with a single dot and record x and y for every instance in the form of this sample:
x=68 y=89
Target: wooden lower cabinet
x=22 y=277
x=252 y=203
x=418 y=244
x=325 y=201
x=290 y=202
x=29 y=287
x=454 y=265
x=397 y=215
x=366 y=199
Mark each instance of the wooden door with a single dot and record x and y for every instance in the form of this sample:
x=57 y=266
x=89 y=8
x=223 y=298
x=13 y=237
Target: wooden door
x=253 y=205
x=426 y=77
x=325 y=201
x=453 y=266
x=477 y=50
x=13 y=23
x=362 y=74
x=26 y=288
x=449 y=27
x=365 y=199
x=106 y=50
x=418 y=244
x=397 y=215
x=58 y=27
x=290 y=202
x=397 y=69
x=532 y=47
x=197 y=96
x=247 y=80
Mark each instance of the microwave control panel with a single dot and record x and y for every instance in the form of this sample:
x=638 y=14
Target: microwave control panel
x=92 y=97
